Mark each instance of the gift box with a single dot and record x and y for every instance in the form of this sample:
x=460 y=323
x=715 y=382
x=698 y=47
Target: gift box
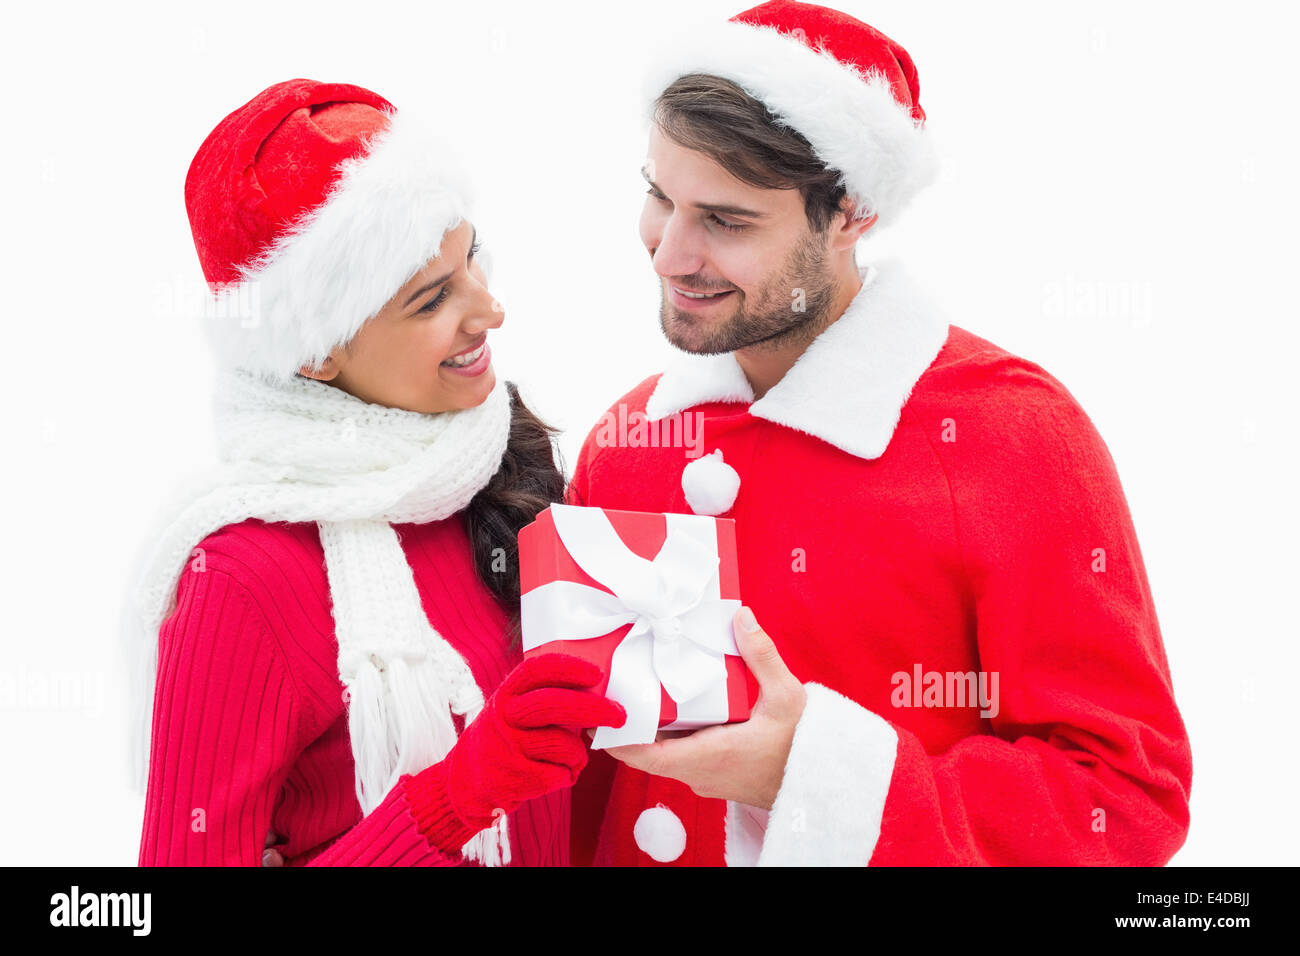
x=649 y=598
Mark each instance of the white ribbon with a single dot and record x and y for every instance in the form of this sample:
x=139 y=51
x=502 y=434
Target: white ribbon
x=681 y=626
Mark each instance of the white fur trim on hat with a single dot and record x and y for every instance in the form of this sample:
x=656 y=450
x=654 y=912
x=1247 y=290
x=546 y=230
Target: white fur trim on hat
x=852 y=122
x=321 y=280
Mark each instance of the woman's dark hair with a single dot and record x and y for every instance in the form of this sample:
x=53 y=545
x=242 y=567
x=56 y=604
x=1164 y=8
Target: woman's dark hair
x=716 y=117
x=527 y=481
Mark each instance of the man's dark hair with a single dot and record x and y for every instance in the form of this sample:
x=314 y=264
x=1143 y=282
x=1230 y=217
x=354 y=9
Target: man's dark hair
x=716 y=117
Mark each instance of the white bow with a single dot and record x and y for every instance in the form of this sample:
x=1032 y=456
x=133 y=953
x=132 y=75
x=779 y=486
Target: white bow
x=681 y=626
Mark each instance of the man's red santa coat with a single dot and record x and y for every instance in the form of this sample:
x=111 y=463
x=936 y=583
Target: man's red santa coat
x=913 y=496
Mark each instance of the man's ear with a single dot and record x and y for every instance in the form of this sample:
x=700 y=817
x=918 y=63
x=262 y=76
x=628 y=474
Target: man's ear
x=326 y=370
x=845 y=230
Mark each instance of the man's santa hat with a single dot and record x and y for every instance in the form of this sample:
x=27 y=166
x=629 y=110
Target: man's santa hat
x=310 y=206
x=848 y=89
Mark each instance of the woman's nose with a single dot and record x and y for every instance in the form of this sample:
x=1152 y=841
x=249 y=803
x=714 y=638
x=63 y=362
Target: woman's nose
x=488 y=313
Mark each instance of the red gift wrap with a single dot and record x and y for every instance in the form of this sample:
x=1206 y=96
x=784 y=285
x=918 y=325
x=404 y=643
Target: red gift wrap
x=545 y=560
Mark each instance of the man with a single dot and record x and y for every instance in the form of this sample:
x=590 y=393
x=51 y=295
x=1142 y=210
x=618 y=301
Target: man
x=959 y=659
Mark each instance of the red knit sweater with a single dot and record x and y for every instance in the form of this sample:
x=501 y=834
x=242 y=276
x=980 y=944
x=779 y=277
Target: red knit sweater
x=250 y=729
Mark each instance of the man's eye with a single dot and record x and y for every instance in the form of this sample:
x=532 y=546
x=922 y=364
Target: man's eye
x=729 y=226
x=435 y=301
x=473 y=250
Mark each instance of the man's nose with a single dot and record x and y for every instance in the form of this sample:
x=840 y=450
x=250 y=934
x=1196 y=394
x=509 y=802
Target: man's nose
x=678 y=252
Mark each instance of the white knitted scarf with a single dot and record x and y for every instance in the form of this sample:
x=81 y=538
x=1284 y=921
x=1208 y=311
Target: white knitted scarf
x=308 y=451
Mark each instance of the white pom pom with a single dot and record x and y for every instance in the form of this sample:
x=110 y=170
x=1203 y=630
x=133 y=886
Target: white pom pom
x=711 y=485
x=660 y=834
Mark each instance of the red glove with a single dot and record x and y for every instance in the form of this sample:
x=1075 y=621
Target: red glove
x=526 y=742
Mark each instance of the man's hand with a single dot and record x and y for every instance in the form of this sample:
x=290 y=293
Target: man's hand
x=270 y=855
x=743 y=762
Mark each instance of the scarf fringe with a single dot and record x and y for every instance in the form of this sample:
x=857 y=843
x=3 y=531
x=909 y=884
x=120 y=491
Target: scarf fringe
x=491 y=845
x=400 y=723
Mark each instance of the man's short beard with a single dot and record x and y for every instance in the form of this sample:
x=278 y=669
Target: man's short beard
x=772 y=321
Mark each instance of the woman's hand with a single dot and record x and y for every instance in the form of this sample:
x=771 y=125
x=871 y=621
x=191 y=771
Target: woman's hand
x=524 y=744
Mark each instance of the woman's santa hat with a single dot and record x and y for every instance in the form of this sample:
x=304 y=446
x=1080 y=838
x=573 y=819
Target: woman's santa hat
x=310 y=206
x=848 y=89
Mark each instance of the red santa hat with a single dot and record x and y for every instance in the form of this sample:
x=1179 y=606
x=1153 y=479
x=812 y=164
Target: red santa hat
x=310 y=206
x=849 y=90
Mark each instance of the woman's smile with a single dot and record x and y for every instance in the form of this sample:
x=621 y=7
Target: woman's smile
x=472 y=361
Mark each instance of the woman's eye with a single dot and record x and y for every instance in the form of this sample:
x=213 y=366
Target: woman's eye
x=473 y=250
x=657 y=195
x=435 y=301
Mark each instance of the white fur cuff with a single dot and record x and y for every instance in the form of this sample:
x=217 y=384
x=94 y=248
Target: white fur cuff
x=829 y=807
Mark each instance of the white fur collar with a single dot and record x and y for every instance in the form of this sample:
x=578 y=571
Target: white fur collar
x=849 y=386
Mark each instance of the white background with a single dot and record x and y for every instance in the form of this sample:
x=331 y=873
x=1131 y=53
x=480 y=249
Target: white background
x=1118 y=205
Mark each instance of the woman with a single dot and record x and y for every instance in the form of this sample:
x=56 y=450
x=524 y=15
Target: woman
x=325 y=617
